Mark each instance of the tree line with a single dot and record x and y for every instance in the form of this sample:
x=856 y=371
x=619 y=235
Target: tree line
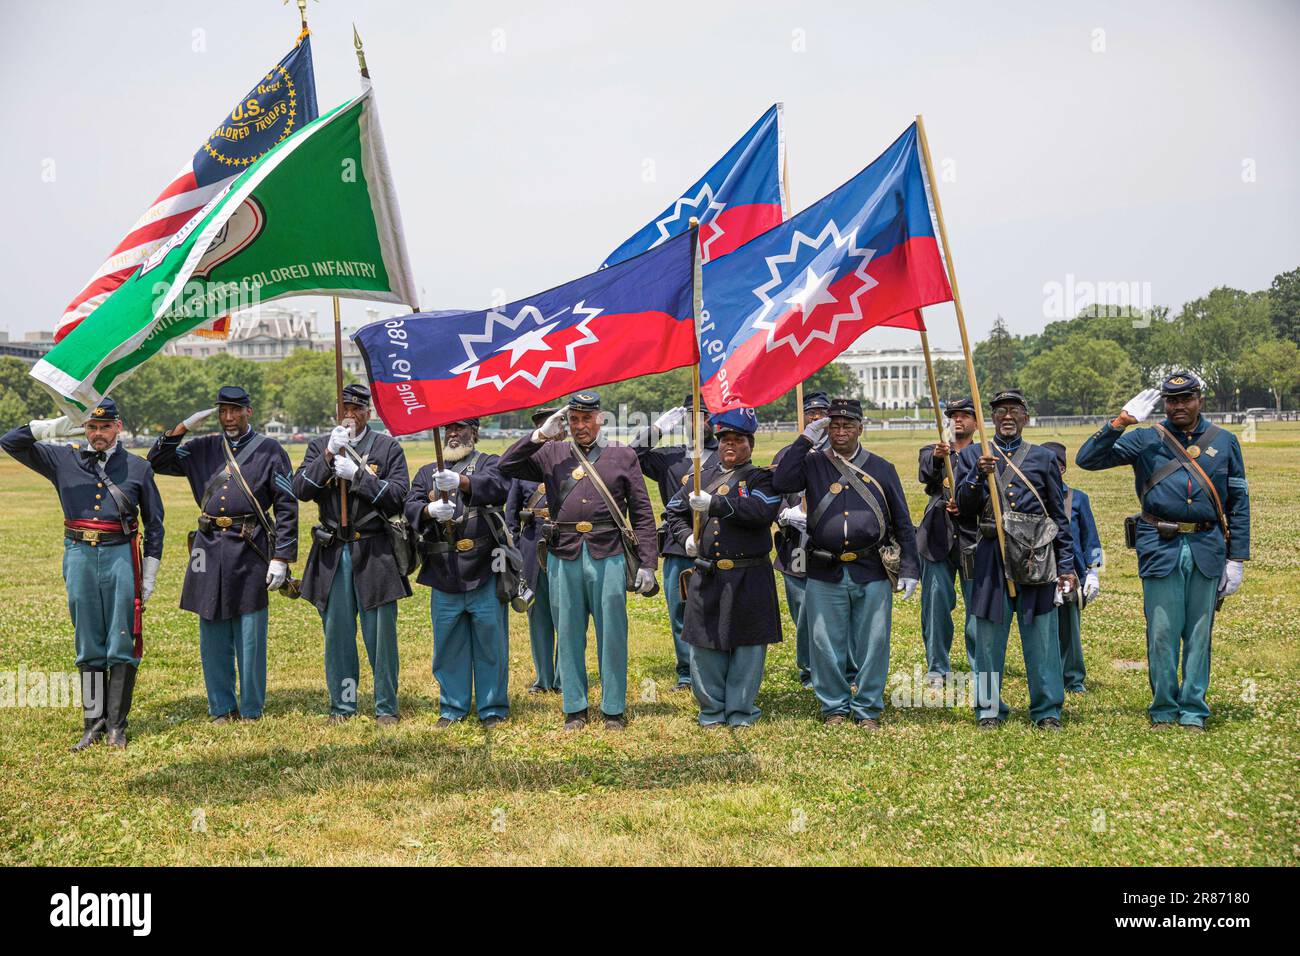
x=1245 y=345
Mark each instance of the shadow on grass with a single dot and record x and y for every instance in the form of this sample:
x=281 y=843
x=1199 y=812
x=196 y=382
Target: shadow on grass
x=435 y=766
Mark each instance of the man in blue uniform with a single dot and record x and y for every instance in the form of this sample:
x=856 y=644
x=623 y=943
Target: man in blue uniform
x=526 y=510
x=598 y=508
x=1192 y=534
x=791 y=540
x=352 y=569
x=859 y=518
x=940 y=538
x=106 y=494
x=1030 y=484
x=731 y=609
x=237 y=555
x=1087 y=554
x=457 y=513
x=672 y=467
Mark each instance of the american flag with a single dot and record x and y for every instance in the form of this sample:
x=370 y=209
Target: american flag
x=282 y=102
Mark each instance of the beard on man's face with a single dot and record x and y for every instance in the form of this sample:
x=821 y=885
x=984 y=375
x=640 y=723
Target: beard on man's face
x=457 y=452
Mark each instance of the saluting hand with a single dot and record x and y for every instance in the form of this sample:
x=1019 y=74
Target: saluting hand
x=197 y=419
x=815 y=430
x=551 y=429
x=1139 y=407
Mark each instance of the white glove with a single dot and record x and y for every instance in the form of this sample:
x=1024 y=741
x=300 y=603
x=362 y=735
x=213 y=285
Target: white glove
x=345 y=467
x=276 y=573
x=700 y=502
x=816 y=430
x=148 y=578
x=1231 y=579
x=446 y=480
x=645 y=581
x=43 y=429
x=553 y=427
x=340 y=436
x=198 y=418
x=1091 y=585
x=1141 y=405
x=692 y=551
x=907 y=586
x=440 y=510
x=670 y=419
x=794 y=517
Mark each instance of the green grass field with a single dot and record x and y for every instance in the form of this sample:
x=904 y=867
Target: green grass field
x=927 y=789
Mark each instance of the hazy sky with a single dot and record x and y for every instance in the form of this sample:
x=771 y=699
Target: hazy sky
x=1150 y=143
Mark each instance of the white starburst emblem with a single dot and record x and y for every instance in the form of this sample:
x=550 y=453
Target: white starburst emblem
x=487 y=370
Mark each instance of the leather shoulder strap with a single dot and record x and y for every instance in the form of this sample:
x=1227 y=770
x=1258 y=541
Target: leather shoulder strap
x=1013 y=464
x=853 y=475
x=124 y=510
x=1194 y=468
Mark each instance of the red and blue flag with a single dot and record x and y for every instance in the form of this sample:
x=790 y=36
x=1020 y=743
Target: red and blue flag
x=740 y=197
x=788 y=302
x=634 y=318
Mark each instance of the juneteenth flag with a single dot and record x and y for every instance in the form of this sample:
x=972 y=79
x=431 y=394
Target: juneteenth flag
x=279 y=104
x=785 y=304
x=741 y=195
x=317 y=215
x=634 y=318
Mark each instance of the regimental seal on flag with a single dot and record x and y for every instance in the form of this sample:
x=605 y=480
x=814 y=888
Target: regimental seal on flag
x=268 y=115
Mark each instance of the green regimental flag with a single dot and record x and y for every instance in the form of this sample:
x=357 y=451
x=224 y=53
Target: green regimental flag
x=316 y=215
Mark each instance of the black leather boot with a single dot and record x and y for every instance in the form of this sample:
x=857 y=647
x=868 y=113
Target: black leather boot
x=94 y=691
x=121 y=687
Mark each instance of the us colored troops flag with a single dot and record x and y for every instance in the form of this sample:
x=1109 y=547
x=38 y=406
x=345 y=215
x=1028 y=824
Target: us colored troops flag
x=282 y=102
x=316 y=215
x=741 y=196
x=786 y=303
x=633 y=318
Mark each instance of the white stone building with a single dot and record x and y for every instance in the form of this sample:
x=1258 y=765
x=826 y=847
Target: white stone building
x=269 y=333
x=892 y=378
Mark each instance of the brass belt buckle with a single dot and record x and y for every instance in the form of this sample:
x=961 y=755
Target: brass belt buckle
x=726 y=564
x=223 y=522
x=583 y=527
x=849 y=556
x=1187 y=527
x=464 y=544
x=90 y=536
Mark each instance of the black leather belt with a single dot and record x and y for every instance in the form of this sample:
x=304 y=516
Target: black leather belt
x=727 y=564
x=96 y=538
x=236 y=523
x=585 y=527
x=1178 y=527
x=844 y=557
x=460 y=545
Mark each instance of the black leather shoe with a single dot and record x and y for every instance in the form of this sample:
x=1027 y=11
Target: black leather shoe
x=116 y=737
x=835 y=720
x=615 y=722
x=990 y=723
x=1049 y=723
x=444 y=722
x=490 y=722
x=575 y=721
x=94 y=733
x=682 y=685
x=868 y=723
x=121 y=689
x=387 y=720
x=224 y=718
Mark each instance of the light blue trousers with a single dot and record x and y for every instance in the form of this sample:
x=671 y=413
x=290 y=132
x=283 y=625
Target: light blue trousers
x=938 y=600
x=236 y=642
x=794 y=598
x=1180 y=615
x=673 y=568
x=726 y=683
x=581 y=588
x=849 y=622
x=101 y=601
x=541 y=636
x=471 y=652
x=1069 y=617
x=1042 y=650
x=378 y=632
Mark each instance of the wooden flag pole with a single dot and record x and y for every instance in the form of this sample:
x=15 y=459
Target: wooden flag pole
x=697 y=426
x=934 y=400
x=338 y=387
x=965 y=345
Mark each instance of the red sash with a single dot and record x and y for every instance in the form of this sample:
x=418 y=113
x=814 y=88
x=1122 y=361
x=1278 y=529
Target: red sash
x=115 y=527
